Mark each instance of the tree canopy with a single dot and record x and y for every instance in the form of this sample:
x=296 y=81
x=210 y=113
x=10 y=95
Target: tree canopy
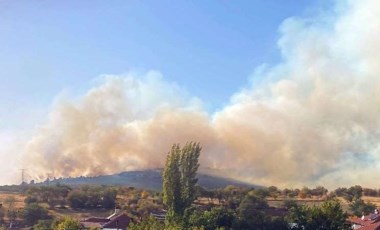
x=329 y=215
x=179 y=180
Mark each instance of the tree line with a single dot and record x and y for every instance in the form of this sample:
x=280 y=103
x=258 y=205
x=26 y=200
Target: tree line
x=242 y=208
x=61 y=195
x=231 y=207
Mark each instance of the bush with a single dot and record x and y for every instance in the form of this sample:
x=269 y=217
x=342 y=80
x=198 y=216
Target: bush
x=359 y=207
x=327 y=216
x=43 y=225
x=2 y=214
x=150 y=223
x=77 y=199
x=30 y=199
x=109 y=198
x=251 y=213
x=289 y=203
x=33 y=213
x=68 y=223
x=214 y=219
x=92 y=197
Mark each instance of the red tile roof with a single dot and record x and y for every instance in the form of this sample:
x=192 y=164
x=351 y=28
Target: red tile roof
x=87 y=224
x=371 y=227
x=120 y=222
x=94 y=222
x=370 y=222
x=97 y=219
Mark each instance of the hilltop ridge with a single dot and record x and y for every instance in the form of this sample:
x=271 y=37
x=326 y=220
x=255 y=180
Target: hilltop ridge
x=147 y=179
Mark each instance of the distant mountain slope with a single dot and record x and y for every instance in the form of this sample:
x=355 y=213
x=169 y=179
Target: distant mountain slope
x=147 y=179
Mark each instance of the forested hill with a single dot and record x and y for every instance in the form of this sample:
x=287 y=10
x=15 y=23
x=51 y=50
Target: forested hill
x=147 y=179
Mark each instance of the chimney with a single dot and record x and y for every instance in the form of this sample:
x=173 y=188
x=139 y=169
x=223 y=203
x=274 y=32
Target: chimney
x=116 y=212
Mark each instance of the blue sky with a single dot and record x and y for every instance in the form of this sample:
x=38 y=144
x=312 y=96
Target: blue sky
x=210 y=48
x=51 y=51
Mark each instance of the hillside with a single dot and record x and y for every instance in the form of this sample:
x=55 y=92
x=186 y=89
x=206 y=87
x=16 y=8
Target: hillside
x=147 y=179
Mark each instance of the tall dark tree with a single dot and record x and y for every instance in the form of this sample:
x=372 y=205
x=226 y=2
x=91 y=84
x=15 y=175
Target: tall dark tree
x=189 y=167
x=180 y=178
x=172 y=185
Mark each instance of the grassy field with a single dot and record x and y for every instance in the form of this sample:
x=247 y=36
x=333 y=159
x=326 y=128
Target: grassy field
x=58 y=212
x=374 y=200
x=310 y=201
x=19 y=203
x=82 y=214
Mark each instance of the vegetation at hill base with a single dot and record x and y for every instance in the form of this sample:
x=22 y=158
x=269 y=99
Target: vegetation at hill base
x=183 y=204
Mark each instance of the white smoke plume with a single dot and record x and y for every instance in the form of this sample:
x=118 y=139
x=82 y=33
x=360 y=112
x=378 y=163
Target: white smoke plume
x=314 y=119
x=123 y=124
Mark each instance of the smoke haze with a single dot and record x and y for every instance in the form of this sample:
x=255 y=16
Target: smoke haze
x=312 y=119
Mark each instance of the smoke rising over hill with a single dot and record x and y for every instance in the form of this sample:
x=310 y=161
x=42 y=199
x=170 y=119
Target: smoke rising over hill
x=313 y=119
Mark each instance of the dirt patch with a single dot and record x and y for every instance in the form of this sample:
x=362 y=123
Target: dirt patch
x=19 y=199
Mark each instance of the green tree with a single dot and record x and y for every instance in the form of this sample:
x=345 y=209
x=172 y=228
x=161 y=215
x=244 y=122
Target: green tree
x=289 y=203
x=30 y=199
x=68 y=223
x=109 y=198
x=215 y=218
x=144 y=207
x=172 y=185
x=33 y=213
x=12 y=214
x=358 y=207
x=77 y=199
x=251 y=213
x=353 y=193
x=61 y=192
x=232 y=196
x=93 y=198
x=261 y=192
x=305 y=192
x=150 y=223
x=43 y=225
x=298 y=215
x=329 y=215
x=189 y=167
x=319 y=191
x=179 y=180
x=276 y=223
x=2 y=214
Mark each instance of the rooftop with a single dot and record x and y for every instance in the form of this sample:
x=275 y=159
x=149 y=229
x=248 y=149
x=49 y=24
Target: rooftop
x=119 y=221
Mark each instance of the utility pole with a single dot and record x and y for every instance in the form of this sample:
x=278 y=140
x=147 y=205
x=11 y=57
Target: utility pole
x=23 y=176
x=48 y=178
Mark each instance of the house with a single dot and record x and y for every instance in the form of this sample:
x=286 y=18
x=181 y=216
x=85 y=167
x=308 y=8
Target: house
x=369 y=222
x=116 y=221
x=159 y=215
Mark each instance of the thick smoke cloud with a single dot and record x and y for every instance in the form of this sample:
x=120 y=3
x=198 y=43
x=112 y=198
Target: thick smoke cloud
x=313 y=119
